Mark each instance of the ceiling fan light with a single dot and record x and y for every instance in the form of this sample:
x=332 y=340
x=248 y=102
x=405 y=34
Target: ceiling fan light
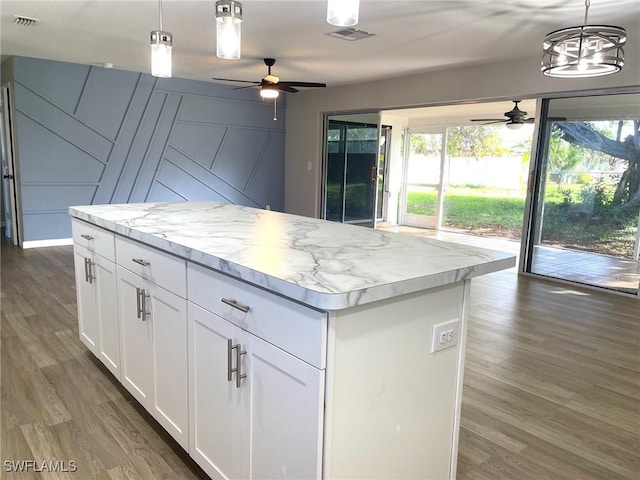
x=228 y=29
x=514 y=125
x=343 y=13
x=269 y=92
x=584 y=51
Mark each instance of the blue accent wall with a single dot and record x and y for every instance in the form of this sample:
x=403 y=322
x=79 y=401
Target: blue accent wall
x=89 y=135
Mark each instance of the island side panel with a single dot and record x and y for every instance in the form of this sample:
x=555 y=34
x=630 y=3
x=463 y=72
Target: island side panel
x=391 y=405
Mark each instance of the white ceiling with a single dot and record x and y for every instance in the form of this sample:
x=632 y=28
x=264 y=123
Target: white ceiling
x=413 y=36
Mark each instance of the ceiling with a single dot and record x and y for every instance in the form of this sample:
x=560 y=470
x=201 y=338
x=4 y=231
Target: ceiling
x=412 y=36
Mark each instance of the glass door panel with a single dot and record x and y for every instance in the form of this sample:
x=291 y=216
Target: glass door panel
x=587 y=204
x=423 y=181
x=351 y=169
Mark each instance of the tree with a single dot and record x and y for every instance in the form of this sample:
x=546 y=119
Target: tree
x=627 y=193
x=478 y=142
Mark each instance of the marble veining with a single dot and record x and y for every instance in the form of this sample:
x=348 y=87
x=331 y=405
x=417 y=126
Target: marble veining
x=323 y=264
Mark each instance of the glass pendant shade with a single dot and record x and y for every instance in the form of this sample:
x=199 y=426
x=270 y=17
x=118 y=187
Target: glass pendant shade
x=228 y=29
x=269 y=92
x=343 y=13
x=161 y=45
x=584 y=51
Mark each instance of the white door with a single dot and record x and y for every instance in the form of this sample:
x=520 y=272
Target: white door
x=287 y=400
x=106 y=294
x=9 y=199
x=137 y=338
x=87 y=318
x=219 y=410
x=423 y=184
x=167 y=314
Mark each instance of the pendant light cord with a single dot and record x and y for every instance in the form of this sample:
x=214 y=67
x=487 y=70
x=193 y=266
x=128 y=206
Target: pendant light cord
x=160 y=13
x=587 y=4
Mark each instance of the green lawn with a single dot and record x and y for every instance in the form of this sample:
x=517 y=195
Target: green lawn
x=568 y=221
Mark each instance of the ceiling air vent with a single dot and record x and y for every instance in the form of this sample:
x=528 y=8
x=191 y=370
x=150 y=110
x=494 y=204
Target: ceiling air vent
x=25 y=21
x=351 y=34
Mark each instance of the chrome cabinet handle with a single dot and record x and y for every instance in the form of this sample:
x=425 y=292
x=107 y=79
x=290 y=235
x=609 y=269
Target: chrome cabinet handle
x=88 y=273
x=239 y=374
x=138 y=302
x=90 y=265
x=236 y=305
x=86 y=269
x=238 y=370
x=87 y=237
x=144 y=297
x=140 y=261
x=230 y=370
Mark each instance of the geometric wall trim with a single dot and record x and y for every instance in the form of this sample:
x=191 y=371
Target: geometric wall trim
x=89 y=135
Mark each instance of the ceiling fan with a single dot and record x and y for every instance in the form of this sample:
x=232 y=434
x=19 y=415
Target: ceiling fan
x=514 y=118
x=270 y=85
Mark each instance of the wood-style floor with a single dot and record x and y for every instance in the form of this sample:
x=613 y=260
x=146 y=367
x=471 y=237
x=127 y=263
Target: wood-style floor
x=552 y=384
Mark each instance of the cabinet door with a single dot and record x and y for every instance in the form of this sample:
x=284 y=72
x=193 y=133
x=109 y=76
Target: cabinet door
x=137 y=340
x=87 y=318
x=219 y=410
x=287 y=400
x=167 y=314
x=106 y=297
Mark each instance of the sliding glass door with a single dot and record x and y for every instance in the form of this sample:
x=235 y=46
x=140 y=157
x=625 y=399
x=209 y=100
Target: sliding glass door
x=586 y=218
x=423 y=184
x=354 y=169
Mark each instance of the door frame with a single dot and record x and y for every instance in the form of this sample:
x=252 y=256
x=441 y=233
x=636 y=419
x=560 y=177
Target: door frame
x=404 y=218
x=10 y=149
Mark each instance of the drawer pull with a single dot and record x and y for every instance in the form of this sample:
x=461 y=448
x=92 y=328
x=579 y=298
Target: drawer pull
x=87 y=237
x=139 y=261
x=236 y=305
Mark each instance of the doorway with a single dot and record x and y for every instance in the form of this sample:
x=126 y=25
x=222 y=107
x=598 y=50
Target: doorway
x=10 y=215
x=586 y=208
x=424 y=166
x=355 y=167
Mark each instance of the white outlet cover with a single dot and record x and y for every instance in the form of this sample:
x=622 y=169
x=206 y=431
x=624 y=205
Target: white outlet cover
x=454 y=325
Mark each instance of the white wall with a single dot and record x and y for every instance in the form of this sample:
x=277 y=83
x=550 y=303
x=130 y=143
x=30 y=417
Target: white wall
x=496 y=81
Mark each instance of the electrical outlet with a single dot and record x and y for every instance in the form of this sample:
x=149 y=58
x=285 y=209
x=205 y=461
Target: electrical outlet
x=445 y=335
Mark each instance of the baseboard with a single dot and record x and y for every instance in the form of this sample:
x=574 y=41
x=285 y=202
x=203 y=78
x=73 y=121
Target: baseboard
x=56 y=242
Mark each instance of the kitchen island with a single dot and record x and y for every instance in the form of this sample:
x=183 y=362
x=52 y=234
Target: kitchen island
x=277 y=346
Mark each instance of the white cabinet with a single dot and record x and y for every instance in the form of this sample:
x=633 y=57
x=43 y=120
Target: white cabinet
x=153 y=323
x=255 y=410
x=98 y=304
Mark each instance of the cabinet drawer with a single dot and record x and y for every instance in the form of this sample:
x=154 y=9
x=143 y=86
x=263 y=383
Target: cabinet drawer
x=94 y=238
x=158 y=267
x=296 y=329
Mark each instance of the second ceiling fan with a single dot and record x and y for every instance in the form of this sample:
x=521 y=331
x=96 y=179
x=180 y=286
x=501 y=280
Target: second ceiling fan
x=514 y=117
x=270 y=85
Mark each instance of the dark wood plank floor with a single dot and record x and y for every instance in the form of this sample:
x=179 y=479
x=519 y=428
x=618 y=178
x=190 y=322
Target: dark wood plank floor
x=552 y=384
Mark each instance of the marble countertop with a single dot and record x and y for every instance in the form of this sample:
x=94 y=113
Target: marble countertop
x=326 y=265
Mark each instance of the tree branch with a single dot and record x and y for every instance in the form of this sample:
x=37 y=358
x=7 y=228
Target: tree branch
x=585 y=136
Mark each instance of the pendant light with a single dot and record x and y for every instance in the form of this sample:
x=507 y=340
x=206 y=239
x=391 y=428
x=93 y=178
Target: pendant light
x=228 y=23
x=343 y=13
x=161 y=45
x=585 y=51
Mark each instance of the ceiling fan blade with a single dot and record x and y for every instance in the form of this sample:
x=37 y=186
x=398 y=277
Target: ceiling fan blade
x=304 y=84
x=232 y=80
x=285 y=88
x=241 y=88
x=493 y=120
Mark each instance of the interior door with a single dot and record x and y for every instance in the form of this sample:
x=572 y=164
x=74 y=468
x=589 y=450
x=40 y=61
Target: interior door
x=423 y=178
x=10 y=212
